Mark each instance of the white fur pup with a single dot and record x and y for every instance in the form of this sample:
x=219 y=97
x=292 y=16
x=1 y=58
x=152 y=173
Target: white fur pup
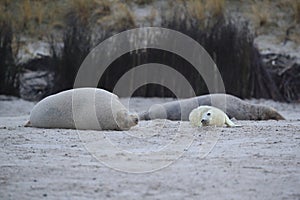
x=82 y=108
x=209 y=116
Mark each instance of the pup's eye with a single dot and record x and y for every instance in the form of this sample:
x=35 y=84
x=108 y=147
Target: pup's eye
x=208 y=114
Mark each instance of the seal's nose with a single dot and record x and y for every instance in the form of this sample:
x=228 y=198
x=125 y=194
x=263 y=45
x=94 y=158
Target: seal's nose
x=202 y=120
x=136 y=120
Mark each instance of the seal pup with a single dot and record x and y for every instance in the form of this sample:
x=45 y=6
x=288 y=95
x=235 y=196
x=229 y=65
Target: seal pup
x=233 y=106
x=82 y=108
x=210 y=116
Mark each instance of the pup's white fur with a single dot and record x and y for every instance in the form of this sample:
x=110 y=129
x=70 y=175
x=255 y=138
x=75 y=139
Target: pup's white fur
x=209 y=116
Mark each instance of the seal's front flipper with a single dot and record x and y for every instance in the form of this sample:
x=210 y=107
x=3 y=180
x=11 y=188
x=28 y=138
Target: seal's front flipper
x=28 y=124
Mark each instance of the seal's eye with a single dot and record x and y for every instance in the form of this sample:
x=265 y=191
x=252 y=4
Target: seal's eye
x=208 y=114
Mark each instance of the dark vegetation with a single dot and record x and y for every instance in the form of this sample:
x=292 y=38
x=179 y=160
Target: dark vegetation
x=140 y=57
x=8 y=70
x=230 y=44
x=286 y=74
x=77 y=44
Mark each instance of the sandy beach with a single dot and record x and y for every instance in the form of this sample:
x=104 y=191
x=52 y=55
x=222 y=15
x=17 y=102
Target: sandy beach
x=260 y=160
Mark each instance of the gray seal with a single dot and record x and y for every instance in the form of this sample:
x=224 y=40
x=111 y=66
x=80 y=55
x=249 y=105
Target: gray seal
x=82 y=108
x=233 y=106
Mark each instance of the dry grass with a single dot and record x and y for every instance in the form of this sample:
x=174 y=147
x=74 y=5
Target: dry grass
x=85 y=10
x=140 y=2
x=29 y=17
x=297 y=12
x=152 y=16
x=37 y=17
x=197 y=8
x=295 y=7
x=26 y=11
x=261 y=13
x=103 y=9
x=205 y=12
x=122 y=18
x=203 y=8
x=215 y=7
x=292 y=8
x=286 y=15
x=111 y=14
x=39 y=12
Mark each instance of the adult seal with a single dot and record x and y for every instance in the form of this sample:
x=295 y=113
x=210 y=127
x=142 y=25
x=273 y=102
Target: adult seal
x=233 y=106
x=82 y=108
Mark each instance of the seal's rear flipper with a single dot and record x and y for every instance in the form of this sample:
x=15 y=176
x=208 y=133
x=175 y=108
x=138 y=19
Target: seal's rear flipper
x=234 y=126
x=229 y=123
x=237 y=126
x=278 y=116
x=28 y=124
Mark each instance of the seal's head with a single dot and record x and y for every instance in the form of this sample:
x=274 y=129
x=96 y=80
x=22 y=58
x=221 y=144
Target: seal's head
x=125 y=120
x=206 y=118
x=215 y=117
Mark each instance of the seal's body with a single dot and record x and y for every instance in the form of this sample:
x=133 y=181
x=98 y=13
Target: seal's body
x=82 y=108
x=209 y=116
x=231 y=105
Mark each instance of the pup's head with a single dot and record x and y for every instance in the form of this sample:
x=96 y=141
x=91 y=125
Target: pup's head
x=125 y=120
x=206 y=118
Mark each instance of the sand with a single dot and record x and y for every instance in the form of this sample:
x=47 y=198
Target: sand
x=260 y=160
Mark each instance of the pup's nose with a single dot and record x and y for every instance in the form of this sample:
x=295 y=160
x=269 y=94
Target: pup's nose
x=136 y=120
x=202 y=120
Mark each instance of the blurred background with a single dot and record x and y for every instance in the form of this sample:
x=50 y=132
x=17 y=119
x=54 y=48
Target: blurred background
x=255 y=43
